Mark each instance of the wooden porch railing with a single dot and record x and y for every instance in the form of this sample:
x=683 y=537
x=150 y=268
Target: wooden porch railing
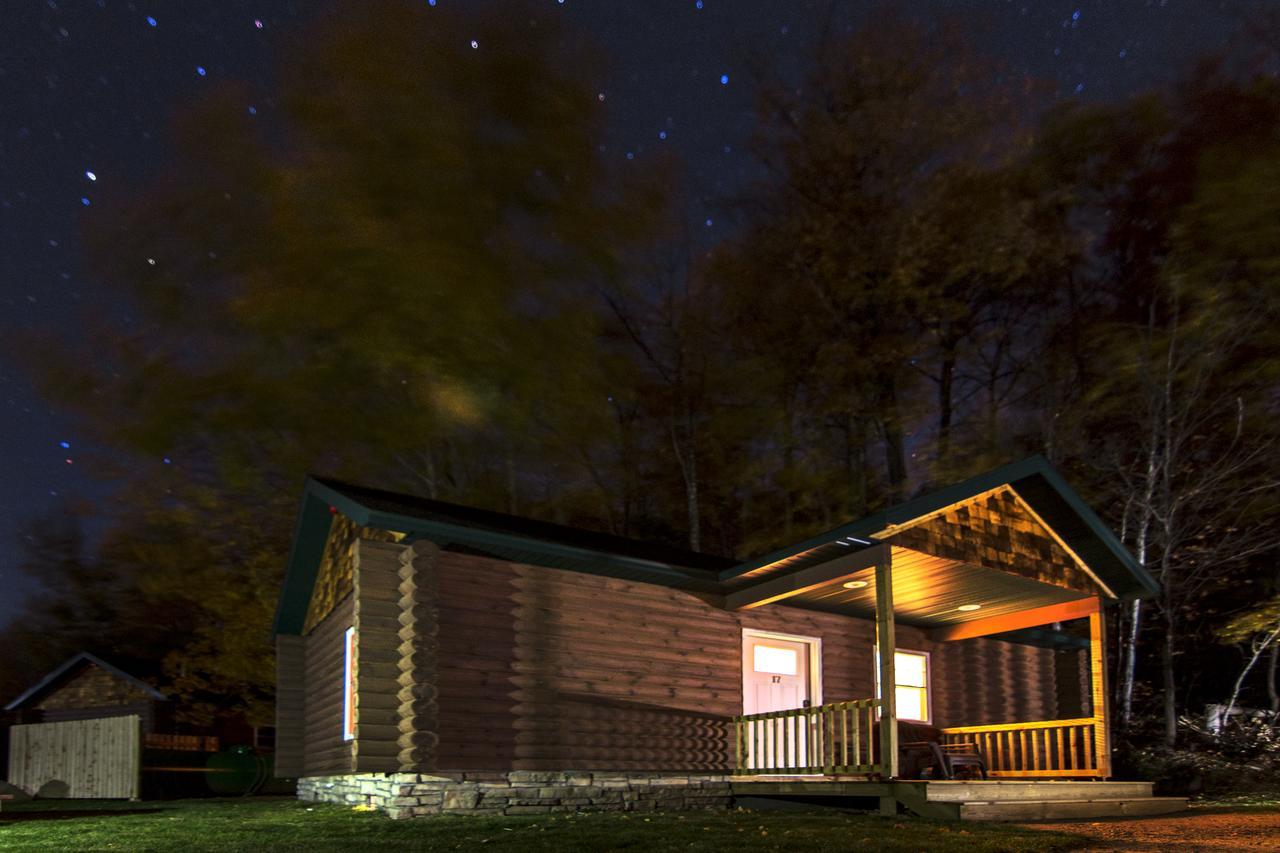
x=829 y=739
x=1049 y=748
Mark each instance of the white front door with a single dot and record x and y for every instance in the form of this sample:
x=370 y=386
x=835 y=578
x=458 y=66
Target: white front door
x=778 y=675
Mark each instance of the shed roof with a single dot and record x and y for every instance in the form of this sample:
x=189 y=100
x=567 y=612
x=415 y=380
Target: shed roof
x=50 y=681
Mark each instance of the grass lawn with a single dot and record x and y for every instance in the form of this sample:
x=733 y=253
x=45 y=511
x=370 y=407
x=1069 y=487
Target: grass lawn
x=286 y=824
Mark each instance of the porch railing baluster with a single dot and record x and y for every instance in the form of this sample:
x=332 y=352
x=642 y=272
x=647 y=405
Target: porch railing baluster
x=1044 y=749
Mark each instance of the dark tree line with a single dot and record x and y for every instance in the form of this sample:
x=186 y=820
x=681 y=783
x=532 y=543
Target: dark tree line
x=422 y=273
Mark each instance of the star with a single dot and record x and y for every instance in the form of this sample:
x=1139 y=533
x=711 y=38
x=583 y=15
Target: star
x=151 y=21
x=91 y=176
x=724 y=79
x=200 y=70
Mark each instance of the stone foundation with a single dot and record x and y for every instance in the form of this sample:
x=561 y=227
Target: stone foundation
x=403 y=795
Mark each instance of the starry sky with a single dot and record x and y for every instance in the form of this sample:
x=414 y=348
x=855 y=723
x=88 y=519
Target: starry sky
x=88 y=88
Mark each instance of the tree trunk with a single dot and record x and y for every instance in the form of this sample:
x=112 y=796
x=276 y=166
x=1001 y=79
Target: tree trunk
x=1130 y=665
x=855 y=463
x=894 y=443
x=1170 y=695
x=1272 y=695
x=946 y=383
x=1258 y=649
x=687 y=457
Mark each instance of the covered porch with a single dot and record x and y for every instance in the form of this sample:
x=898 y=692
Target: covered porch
x=984 y=565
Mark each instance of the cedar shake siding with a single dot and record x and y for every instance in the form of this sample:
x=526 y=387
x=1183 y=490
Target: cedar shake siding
x=543 y=669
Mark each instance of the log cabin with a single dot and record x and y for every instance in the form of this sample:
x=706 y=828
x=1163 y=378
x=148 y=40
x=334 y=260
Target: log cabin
x=438 y=658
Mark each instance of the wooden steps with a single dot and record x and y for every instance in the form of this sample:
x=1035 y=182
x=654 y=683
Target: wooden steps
x=988 y=800
x=1016 y=800
x=1000 y=791
x=1033 y=810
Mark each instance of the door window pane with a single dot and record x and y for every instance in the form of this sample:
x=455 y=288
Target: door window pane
x=775 y=660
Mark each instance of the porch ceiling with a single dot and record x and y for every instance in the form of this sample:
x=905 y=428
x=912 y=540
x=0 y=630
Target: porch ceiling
x=928 y=590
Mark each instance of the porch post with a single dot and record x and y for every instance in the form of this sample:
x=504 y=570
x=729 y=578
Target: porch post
x=1098 y=679
x=887 y=644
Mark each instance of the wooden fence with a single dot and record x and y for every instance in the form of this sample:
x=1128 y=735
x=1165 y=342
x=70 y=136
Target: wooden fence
x=98 y=758
x=837 y=738
x=1049 y=748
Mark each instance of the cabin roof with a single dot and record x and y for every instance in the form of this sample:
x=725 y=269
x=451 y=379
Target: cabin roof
x=51 y=681
x=535 y=542
x=1036 y=483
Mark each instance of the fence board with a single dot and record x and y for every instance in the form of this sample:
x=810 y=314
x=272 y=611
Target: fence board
x=98 y=758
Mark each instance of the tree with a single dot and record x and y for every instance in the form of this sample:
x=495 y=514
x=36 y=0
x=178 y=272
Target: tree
x=1259 y=628
x=384 y=272
x=1168 y=337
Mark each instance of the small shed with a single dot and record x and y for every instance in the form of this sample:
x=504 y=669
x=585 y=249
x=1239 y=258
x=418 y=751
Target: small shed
x=80 y=731
x=85 y=687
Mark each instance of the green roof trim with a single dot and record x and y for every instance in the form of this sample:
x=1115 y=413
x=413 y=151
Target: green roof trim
x=479 y=531
x=1035 y=481
x=525 y=540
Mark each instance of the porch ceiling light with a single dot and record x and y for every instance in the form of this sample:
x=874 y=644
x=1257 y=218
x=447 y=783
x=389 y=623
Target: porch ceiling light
x=854 y=584
x=968 y=608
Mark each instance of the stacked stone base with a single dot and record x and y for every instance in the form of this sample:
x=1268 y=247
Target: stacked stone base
x=403 y=795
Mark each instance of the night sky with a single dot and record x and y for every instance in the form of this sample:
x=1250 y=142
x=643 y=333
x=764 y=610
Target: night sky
x=88 y=88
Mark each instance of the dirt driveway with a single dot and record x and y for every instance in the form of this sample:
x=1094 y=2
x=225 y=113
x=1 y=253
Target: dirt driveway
x=1187 y=832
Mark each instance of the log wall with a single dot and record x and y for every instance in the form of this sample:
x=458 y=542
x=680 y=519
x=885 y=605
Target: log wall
x=377 y=660
x=545 y=669
x=324 y=750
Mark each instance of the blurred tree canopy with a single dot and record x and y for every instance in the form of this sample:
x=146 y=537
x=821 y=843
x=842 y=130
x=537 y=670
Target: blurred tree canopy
x=419 y=271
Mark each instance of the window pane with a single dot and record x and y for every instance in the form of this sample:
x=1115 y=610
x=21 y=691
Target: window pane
x=911 y=704
x=910 y=669
x=775 y=660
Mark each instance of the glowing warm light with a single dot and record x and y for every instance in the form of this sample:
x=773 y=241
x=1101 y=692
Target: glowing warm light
x=854 y=584
x=775 y=660
x=967 y=608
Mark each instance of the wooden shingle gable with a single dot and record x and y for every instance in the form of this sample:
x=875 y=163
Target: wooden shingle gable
x=335 y=577
x=998 y=530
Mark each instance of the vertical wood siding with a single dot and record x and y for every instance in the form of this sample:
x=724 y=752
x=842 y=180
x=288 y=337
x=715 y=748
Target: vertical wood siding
x=549 y=669
x=98 y=758
x=325 y=752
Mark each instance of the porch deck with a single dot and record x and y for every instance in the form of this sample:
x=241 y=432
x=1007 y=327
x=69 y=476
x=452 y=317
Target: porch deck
x=996 y=800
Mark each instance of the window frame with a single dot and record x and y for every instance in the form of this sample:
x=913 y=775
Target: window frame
x=348 y=684
x=928 y=682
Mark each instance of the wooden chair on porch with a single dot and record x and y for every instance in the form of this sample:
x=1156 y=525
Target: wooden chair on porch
x=923 y=755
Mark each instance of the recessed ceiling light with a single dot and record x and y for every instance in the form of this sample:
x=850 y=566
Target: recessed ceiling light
x=965 y=608
x=854 y=584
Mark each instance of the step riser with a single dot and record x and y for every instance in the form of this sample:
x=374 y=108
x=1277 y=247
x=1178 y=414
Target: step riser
x=1083 y=810
x=959 y=792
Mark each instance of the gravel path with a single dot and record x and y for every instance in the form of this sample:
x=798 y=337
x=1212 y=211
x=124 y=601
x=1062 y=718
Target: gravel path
x=1185 y=832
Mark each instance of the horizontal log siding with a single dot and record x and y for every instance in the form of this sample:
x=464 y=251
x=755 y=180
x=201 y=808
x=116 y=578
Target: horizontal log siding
x=324 y=750
x=545 y=669
x=983 y=681
x=376 y=619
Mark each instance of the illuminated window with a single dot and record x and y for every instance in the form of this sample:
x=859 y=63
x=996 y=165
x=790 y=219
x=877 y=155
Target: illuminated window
x=349 y=685
x=911 y=688
x=775 y=660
